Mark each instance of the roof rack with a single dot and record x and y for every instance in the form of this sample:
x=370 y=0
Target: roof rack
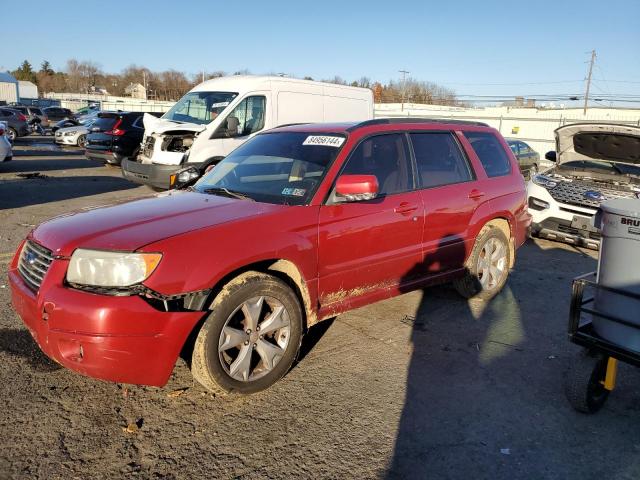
x=392 y=121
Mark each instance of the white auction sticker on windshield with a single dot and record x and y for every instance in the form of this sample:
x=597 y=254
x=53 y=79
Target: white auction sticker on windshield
x=219 y=104
x=325 y=140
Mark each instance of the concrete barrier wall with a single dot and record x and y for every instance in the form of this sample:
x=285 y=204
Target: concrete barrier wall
x=531 y=125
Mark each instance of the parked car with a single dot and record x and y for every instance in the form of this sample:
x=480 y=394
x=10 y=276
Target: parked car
x=55 y=114
x=6 y=153
x=528 y=158
x=17 y=125
x=75 y=135
x=594 y=162
x=115 y=136
x=220 y=114
x=297 y=225
x=32 y=112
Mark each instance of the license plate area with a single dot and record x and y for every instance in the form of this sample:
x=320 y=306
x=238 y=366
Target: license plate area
x=583 y=223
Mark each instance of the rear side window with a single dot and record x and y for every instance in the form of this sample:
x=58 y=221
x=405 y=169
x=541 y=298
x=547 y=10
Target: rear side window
x=439 y=159
x=36 y=111
x=6 y=113
x=490 y=152
x=386 y=157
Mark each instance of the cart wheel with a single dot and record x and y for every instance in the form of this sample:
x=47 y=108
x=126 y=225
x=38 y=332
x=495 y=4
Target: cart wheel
x=582 y=382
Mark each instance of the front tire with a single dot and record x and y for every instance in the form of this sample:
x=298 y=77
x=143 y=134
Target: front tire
x=12 y=134
x=82 y=140
x=487 y=266
x=251 y=337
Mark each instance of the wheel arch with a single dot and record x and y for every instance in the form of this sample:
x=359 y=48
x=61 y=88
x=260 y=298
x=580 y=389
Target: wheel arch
x=281 y=268
x=505 y=226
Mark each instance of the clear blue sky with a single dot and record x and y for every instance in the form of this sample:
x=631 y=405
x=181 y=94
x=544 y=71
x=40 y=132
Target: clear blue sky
x=462 y=44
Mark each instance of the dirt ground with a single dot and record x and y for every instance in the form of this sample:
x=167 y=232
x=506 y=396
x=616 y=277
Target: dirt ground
x=425 y=385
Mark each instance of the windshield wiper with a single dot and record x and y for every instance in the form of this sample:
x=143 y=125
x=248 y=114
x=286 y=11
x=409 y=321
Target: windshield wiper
x=225 y=192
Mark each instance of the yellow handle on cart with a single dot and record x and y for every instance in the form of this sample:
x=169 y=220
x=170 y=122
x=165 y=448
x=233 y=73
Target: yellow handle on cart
x=610 y=377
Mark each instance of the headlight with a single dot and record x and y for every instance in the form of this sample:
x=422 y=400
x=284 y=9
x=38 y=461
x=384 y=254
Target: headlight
x=183 y=177
x=110 y=269
x=68 y=134
x=544 y=181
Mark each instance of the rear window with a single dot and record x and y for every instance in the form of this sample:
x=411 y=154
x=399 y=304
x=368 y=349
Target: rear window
x=489 y=150
x=105 y=123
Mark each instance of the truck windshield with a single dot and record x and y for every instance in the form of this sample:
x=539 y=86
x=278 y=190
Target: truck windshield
x=199 y=107
x=284 y=168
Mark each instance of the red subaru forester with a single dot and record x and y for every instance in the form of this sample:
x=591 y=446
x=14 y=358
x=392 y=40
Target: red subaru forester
x=297 y=225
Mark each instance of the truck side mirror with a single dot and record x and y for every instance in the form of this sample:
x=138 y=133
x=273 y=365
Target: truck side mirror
x=551 y=156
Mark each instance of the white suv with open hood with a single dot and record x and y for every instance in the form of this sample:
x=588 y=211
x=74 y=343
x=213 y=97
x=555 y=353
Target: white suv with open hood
x=594 y=162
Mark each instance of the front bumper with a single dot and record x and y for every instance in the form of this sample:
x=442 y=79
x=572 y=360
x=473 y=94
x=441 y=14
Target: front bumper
x=64 y=140
x=119 y=339
x=152 y=174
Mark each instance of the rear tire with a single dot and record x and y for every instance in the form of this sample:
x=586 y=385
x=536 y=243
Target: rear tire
x=239 y=349
x=582 y=382
x=487 y=267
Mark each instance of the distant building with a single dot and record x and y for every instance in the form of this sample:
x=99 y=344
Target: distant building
x=98 y=90
x=136 y=90
x=8 y=88
x=27 y=90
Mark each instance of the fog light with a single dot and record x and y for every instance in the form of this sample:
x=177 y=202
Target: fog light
x=537 y=204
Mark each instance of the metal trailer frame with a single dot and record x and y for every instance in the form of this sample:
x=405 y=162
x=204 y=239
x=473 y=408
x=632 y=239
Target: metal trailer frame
x=582 y=383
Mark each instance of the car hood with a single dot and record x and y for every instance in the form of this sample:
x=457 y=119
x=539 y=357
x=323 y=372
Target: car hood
x=79 y=128
x=598 y=141
x=130 y=225
x=160 y=125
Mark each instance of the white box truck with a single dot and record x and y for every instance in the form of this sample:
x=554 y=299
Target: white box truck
x=220 y=114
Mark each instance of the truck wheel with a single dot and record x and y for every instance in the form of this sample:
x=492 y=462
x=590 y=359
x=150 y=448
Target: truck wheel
x=582 y=382
x=487 y=266
x=251 y=337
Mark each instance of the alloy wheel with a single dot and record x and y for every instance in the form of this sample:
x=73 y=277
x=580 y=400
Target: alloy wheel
x=492 y=263
x=254 y=338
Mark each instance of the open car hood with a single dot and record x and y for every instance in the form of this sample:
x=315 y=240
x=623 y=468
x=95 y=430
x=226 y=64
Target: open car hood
x=159 y=125
x=598 y=141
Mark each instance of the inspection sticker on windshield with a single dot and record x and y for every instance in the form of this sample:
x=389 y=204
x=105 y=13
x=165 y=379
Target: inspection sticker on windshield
x=324 y=140
x=296 y=192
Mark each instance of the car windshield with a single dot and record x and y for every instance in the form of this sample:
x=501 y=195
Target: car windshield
x=283 y=168
x=199 y=107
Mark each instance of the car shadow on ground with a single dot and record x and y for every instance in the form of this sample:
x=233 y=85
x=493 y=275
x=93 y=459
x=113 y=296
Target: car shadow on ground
x=19 y=343
x=484 y=394
x=16 y=193
x=18 y=165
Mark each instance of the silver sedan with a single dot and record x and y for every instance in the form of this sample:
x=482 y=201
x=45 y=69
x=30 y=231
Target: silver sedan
x=76 y=136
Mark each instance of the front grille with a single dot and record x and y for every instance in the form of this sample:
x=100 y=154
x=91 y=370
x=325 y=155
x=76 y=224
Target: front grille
x=147 y=150
x=34 y=263
x=572 y=193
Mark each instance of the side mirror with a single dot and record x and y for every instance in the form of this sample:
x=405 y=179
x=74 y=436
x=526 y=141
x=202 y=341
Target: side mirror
x=354 y=188
x=551 y=156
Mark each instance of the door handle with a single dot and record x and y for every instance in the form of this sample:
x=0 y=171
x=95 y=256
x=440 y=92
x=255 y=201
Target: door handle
x=476 y=194
x=405 y=208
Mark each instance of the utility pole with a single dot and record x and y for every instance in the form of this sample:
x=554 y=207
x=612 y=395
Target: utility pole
x=586 y=94
x=144 y=84
x=404 y=86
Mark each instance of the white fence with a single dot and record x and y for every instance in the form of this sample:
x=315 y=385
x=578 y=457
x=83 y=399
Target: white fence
x=531 y=125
